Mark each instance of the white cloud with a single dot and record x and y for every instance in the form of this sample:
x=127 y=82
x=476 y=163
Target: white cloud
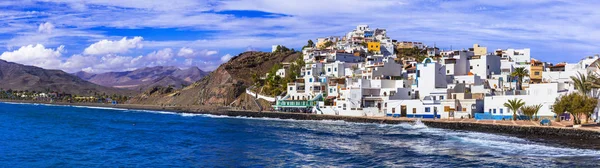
x=190 y=53
x=114 y=47
x=36 y=55
x=226 y=58
x=161 y=57
x=46 y=28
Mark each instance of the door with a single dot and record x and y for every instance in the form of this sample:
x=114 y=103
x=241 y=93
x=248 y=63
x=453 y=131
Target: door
x=403 y=111
x=434 y=112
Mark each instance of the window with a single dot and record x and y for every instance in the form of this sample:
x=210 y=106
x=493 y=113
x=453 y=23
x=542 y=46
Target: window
x=291 y=88
x=418 y=73
x=490 y=110
x=501 y=111
x=308 y=72
x=441 y=97
x=385 y=105
x=427 y=109
x=393 y=110
x=447 y=71
x=494 y=111
x=488 y=67
x=330 y=90
x=335 y=69
x=414 y=110
x=328 y=69
x=536 y=73
x=309 y=79
x=471 y=67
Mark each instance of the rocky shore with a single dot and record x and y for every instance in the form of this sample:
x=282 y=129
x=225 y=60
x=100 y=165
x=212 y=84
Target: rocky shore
x=556 y=136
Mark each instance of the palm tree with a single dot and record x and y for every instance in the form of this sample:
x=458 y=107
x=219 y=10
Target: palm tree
x=582 y=83
x=520 y=73
x=531 y=111
x=514 y=105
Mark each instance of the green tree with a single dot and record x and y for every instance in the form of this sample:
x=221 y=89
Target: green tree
x=514 y=105
x=531 y=111
x=577 y=104
x=582 y=83
x=520 y=73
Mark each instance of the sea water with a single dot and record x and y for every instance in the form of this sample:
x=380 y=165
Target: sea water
x=65 y=136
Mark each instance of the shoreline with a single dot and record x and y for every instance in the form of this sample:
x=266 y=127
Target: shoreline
x=554 y=136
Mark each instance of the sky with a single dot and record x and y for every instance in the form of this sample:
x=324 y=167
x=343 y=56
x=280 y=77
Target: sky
x=113 y=35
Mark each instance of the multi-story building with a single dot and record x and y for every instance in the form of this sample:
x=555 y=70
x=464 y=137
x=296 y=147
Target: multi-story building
x=352 y=79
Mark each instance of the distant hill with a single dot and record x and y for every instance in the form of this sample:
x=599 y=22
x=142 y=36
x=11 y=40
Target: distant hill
x=144 y=78
x=222 y=86
x=22 y=77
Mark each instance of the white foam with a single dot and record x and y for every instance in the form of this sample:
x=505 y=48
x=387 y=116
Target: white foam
x=95 y=107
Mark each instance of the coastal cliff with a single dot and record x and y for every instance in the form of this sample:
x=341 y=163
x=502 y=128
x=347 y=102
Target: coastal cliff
x=222 y=86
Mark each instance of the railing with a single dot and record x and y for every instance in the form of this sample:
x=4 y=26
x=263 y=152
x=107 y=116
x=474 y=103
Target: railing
x=267 y=98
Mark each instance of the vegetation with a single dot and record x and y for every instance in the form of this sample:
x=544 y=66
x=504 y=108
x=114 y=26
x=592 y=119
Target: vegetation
x=579 y=105
x=49 y=95
x=531 y=111
x=326 y=45
x=281 y=48
x=309 y=44
x=520 y=73
x=514 y=105
x=364 y=44
x=274 y=85
x=582 y=83
x=414 y=53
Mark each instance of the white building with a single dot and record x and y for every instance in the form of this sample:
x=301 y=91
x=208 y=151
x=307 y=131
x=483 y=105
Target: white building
x=544 y=94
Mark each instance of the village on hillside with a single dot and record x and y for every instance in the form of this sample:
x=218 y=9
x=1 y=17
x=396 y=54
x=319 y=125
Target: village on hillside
x=366 y=73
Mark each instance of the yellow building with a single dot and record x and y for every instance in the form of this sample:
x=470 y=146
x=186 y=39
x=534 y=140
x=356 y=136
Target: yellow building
x=478 y=50
x=537 y=67
x=374 y=46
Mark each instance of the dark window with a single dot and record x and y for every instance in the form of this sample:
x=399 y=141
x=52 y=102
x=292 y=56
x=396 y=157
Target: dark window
x=418 y=73
x=328 y=69
x=414 y=110
x=427 y=109
x=471 y=67
x=488 y=67
x=536 y=73
x=447 y=71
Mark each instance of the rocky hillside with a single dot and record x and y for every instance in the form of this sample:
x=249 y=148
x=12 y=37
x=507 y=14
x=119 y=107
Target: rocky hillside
x=222 y=86
x=144 y=78
x=22 y=77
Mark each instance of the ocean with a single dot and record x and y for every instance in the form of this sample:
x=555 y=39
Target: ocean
x=34 y=135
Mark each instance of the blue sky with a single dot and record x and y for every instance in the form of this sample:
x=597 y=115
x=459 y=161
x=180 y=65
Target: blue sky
x=109 y=35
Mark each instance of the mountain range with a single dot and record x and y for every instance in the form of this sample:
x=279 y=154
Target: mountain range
x=144 y=78
x=22 y=77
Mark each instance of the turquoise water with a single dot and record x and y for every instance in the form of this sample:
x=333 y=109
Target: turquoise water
x=64 y=136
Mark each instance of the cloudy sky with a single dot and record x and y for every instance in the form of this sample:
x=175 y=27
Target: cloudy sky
x=114 y=35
